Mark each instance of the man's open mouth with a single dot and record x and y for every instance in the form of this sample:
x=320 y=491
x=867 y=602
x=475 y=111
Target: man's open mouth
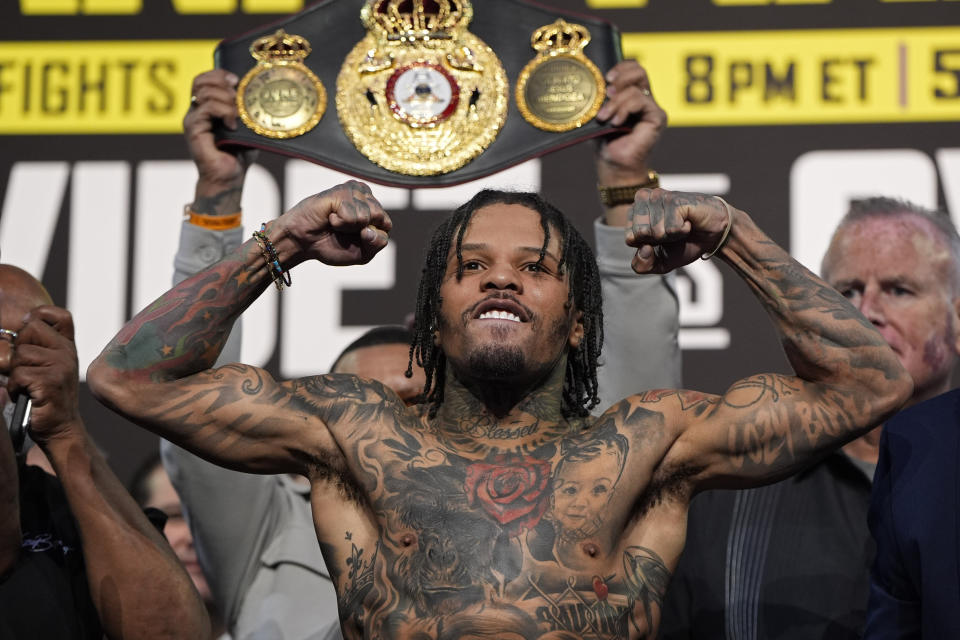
x=501 y=309
x=499 y=315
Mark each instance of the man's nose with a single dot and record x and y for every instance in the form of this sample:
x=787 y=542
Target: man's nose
x=872 y=305
x=178 y=534
x=502 y=277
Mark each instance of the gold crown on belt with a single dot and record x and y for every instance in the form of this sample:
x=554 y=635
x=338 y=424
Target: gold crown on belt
x=560 y=37
x=279 y=47
x=416 y=20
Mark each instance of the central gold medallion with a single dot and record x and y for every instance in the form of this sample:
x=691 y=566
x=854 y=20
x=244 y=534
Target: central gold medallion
x=420 y=95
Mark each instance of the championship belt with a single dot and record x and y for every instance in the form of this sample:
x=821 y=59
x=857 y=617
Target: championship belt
x=426 y=90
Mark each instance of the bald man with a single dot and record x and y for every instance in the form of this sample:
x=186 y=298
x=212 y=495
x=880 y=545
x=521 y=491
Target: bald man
x=908 y=285
x=78 y=558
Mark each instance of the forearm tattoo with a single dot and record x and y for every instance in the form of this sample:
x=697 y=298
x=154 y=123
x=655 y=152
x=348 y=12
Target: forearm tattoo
x=183 y=331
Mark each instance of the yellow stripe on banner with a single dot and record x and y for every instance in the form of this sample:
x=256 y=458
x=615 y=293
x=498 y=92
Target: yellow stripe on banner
x=803 y=77
x=136 y=86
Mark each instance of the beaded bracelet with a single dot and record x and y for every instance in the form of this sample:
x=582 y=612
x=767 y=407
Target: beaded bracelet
x=277 y=273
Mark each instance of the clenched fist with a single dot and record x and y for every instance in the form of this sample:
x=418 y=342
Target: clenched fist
x=671 y=229
x=340 y=226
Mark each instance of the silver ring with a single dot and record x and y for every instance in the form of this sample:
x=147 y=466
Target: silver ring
x=193 y=101
x=9 y=333
x=645 y=91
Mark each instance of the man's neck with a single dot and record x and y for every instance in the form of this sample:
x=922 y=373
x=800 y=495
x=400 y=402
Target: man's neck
x=500 y=417
x=930 y=391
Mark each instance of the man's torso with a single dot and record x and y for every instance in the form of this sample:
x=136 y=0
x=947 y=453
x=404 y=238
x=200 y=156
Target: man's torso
x=531 y=531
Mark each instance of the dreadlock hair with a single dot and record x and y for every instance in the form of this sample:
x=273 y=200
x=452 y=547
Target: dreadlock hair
x=576 y=257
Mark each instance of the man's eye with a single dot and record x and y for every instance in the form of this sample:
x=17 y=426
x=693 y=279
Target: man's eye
x=471 y=265
x=901 y=291
x=535 y=267
x=850 y=293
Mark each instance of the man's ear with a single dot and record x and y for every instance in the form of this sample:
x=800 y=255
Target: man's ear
x=577 y=331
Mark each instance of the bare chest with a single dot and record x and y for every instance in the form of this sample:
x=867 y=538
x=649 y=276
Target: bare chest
x=521 y=543
x=464 y=584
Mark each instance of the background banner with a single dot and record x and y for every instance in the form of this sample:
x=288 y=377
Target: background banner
x=787 y=108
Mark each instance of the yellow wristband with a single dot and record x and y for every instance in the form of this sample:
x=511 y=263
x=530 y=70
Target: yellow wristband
x=216 y=223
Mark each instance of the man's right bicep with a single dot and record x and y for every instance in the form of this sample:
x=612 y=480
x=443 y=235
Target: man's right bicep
x=236 y=416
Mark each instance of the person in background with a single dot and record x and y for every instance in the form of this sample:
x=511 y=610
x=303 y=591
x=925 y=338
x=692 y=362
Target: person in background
x=792 y=560
x=914 y=583
x=78 y=558
x=151 y=489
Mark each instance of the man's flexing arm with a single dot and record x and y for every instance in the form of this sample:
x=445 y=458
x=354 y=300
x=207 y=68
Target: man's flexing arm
x=847 y=379
x=157 y=370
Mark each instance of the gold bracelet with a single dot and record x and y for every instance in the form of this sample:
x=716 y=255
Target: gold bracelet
x=215 y=223
x=613 y=196
x=726 y=231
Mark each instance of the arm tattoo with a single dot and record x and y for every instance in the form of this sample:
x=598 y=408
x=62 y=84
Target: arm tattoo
x=216 y=203
x=847 y=378
x=183 y=331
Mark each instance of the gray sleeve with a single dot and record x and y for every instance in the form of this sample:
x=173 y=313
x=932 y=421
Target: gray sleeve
x=640 y=323
x=232 y=515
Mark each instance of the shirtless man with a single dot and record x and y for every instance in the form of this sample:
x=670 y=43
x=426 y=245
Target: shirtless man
x=432 y=518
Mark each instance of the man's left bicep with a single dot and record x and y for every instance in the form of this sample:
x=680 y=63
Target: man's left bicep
x=769 y=426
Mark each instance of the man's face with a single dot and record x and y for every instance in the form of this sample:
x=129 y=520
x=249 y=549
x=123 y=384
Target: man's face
x=896 y=271
x=508 y=317
x=385 y=363
x=164 y=497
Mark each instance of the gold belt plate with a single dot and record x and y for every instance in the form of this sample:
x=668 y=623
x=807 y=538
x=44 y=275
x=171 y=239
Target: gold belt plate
x=280 y=97
x=560 y=89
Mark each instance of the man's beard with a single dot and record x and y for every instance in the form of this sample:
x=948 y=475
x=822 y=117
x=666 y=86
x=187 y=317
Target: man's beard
x=496 y=361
